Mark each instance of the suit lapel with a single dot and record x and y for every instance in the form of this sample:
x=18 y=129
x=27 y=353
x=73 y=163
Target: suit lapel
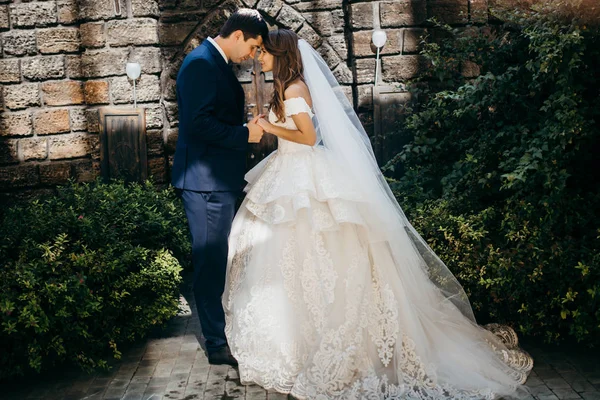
x=228 y=71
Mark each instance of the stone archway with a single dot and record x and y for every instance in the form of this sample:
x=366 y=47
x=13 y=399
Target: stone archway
x=309 y=23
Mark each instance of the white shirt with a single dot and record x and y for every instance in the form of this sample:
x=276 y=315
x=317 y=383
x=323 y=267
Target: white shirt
x=218 y=48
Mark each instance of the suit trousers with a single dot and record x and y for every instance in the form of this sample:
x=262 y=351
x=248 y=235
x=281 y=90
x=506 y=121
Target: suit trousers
x=210 y=215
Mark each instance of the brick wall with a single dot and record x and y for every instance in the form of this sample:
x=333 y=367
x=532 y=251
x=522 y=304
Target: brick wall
x=63 y=59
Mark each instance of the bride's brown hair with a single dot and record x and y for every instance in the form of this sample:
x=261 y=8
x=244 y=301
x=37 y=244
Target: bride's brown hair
x=287 y=66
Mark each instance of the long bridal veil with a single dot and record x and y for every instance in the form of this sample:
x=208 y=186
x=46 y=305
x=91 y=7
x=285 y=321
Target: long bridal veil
x=340 y=131
x=438 y=320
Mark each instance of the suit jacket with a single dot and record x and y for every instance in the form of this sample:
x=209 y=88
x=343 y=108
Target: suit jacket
x=212 y=143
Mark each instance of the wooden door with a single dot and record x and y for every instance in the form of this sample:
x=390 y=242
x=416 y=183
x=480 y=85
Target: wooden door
x=123 y=144
x=389 y=113
x=258 y=87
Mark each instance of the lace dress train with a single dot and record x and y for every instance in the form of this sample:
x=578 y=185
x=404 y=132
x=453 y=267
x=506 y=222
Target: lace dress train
x=318 y=307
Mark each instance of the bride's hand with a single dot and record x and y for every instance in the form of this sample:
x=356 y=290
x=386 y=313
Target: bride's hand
x=255 y=119
x=266 y=125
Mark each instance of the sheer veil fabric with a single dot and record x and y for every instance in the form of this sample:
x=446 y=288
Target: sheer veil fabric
x=332 y=294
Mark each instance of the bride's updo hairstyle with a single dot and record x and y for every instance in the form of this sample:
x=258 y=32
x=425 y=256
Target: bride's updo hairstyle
x=287 y=66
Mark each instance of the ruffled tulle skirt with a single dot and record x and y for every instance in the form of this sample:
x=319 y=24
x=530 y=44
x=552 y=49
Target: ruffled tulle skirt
x=317 y=307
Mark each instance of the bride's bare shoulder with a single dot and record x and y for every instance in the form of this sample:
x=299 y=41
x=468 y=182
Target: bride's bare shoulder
x=298 y=89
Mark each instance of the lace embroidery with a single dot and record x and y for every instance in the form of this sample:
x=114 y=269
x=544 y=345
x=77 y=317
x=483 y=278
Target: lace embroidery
x=315 y=277
x=383 y=325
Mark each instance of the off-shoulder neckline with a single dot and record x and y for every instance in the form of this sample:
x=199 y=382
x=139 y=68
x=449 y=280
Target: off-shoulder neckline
x=298 y=97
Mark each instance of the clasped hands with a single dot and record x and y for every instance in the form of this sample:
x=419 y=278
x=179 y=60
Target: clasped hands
x=257 y=126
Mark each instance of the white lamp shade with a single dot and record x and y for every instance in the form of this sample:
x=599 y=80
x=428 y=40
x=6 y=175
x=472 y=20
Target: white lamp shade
x=133 y=70
x=379 y=38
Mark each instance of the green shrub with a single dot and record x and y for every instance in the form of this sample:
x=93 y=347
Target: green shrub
x=502 y=174
x=85 y=272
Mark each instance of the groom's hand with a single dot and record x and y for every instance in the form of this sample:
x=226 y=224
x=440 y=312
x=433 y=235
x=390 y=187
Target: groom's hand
x=255 y=132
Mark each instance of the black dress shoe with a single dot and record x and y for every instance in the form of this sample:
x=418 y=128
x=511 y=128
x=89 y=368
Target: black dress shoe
x=222 y=356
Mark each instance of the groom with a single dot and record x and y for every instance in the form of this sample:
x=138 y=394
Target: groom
x=210 y=161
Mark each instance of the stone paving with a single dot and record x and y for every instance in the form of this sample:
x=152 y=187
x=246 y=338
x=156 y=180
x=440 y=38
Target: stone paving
x=171 y=365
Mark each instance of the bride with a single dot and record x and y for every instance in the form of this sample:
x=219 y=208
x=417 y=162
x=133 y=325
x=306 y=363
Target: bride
x=330 y=292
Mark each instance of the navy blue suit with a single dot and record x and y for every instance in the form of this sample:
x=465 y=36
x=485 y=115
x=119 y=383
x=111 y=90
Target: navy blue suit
x=208 y=171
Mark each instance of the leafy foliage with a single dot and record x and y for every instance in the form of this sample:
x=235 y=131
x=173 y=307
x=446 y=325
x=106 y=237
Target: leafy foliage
x=86 y=271
x=502 y=174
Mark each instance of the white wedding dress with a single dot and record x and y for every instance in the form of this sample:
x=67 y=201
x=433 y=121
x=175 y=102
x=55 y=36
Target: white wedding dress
x=317 y=307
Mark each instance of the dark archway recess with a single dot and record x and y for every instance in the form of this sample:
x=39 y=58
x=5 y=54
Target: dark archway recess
x=257 y=85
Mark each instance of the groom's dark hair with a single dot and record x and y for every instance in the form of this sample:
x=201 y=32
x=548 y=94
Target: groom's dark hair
x=249 y=21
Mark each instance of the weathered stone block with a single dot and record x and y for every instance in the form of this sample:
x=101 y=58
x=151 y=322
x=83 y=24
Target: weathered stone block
x=47 y=122
x=10 y=71
x=93 y=10
x=316 y=5
x=338 y=21
x=322 y=21
x=42 y=68
x=290 y=18
x=9 y=153
x=105 y=62
x=42 y=13
x=55 y=173
x=173 y=34
x=78 y=119
x=329 y=55
x=4 y=21
x=93 y=120
x=145 y=8
x=18 y=176
x=310 y=35
x=270 y=7
x=84 y=170
x=58 y=40
x=398 y=68
x=362 y=16
x=347 y=90
x=92 y=34
x=157 y=169
x=62 y=93
x=154 y=116
x=73 y=67
x=395 y=14
x=155 y=143
x=338 y=43
x=148 y=57
x=147 y=89
x=19 y=43
x=96 y=92
x=365 y=97
x=21 y=96
x=68 y=11
x=71 y=145
x=132 y=32
x=343 y=74
x=448 y=11
x=365 y=70
x=170 y=89
x=15 y=124
x=34 y=149
x=172 y=113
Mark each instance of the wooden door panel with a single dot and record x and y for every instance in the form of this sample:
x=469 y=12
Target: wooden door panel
x=123 y=144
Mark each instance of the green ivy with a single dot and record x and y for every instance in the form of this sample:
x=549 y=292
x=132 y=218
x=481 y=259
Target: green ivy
x=502 y=174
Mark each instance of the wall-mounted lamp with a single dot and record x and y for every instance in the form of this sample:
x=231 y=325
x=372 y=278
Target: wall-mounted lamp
x=379 y=38
x=133 y=72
